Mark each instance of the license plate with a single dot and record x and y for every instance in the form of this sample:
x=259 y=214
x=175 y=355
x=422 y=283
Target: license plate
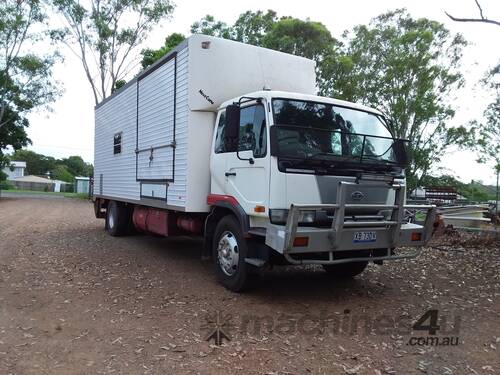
x=364 y=237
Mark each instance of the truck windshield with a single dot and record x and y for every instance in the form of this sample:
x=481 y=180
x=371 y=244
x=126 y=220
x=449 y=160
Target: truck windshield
x=313 y=130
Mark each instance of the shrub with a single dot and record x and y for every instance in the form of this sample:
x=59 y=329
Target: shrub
x=6 y=185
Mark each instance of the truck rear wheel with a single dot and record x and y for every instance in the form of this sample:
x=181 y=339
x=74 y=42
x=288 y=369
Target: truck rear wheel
x=117 y=219
x=345 y=270
x=229 y=251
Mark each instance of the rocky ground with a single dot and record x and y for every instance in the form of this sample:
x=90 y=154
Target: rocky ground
x=74 y=300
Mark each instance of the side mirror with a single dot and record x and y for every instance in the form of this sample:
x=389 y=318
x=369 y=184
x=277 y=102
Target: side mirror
x=399 y=147
x=232 y=130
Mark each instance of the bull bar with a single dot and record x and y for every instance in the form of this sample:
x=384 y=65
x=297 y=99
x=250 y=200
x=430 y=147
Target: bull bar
x=339 y=237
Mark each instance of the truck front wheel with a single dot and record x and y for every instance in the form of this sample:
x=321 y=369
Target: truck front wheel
x=345 y=270
x=229 y=251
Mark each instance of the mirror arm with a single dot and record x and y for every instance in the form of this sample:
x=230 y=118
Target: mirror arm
x=250 y=160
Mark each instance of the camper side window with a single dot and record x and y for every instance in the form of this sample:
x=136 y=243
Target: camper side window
x=117 y=143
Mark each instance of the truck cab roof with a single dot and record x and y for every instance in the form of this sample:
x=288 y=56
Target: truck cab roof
x=271 y=94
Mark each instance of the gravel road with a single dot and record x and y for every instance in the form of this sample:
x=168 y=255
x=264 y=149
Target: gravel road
x=74 y=300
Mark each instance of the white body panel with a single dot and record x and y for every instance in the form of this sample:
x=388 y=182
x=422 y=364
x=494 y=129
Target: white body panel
x=156 y=123
x=166 y=119
x=228 y=69
x=114 y=175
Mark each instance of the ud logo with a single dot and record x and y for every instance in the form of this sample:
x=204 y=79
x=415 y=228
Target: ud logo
x=357 y=195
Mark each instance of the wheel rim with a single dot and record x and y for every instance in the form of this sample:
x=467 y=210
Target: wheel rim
x=111 y=219
x=228 y=253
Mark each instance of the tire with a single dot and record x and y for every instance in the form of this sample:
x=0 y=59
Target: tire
x=117 y=219
x=345 y=270
x=229 y=250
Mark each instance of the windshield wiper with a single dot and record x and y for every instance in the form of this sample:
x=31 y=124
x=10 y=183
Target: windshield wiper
x=348 y=158
x=336 y=156
x=371 y=157
x=321 y=153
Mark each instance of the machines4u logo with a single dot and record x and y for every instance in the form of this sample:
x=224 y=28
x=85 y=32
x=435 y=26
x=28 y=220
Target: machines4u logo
x=434 y=325
x=217 y=327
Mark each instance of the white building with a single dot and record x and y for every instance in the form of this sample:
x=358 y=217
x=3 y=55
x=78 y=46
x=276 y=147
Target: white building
x=16 y=169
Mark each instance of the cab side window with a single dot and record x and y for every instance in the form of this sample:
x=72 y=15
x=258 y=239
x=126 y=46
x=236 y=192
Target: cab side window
x=219 y=136
x=253 y=130
x=252 y=134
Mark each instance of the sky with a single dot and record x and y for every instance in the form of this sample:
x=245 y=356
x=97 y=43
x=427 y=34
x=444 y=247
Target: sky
x=69 y=128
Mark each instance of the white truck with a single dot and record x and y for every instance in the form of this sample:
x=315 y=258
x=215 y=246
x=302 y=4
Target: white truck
x=229 y=141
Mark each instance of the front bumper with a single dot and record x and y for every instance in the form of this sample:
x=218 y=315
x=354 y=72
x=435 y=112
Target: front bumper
x=329 y=245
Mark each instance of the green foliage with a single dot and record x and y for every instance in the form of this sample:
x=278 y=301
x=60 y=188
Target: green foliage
x=36 y=164
x=60 y=169
x=149 y=56
x=77 y=167
x=474 y=191
x=409 y=69
x=119 y=84
x=25 y=78
x=209 y=26
x=105 y=35
x=4 y=184
x=487 y=132
x=12 y=134
x=286 y=34
x=61 y=172
x=303 y=38
x=253 y=27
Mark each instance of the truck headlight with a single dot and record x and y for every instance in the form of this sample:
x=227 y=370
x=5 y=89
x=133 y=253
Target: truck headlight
x=307 y=217
x=279 y=216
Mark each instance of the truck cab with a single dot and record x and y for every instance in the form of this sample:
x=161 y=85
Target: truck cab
x=312 y=180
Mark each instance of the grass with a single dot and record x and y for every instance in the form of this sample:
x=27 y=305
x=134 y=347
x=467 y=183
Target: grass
x=67 y=195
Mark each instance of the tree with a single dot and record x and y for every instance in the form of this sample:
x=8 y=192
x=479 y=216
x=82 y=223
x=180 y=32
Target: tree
x=149 y=56
x=488 y=135
x=253 y=27
x=60 y=169
x=12 y=134
x=488 y=138
x=61 y=172
x=25 y=78
x=105 y=34
x=209 y=26
x=76 y=166
x=36 y=164
x=482 y=18
x=409 y=69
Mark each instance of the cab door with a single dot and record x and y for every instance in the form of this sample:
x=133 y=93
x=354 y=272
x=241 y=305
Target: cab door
x=246 y=173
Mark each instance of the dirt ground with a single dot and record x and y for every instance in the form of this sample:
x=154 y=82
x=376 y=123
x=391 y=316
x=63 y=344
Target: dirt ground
x=74 y=300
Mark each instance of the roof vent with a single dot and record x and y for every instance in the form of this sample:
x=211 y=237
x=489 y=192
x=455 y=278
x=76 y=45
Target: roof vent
x=266 y=88
x=205 y=45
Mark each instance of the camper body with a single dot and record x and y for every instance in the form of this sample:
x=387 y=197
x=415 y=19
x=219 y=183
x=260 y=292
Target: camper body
x=229 y=142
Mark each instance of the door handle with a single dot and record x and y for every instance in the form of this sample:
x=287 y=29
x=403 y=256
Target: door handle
x=230 y=174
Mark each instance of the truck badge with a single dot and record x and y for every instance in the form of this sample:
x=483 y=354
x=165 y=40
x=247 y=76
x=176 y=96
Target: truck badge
x=357 y=195
x=206 y=97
